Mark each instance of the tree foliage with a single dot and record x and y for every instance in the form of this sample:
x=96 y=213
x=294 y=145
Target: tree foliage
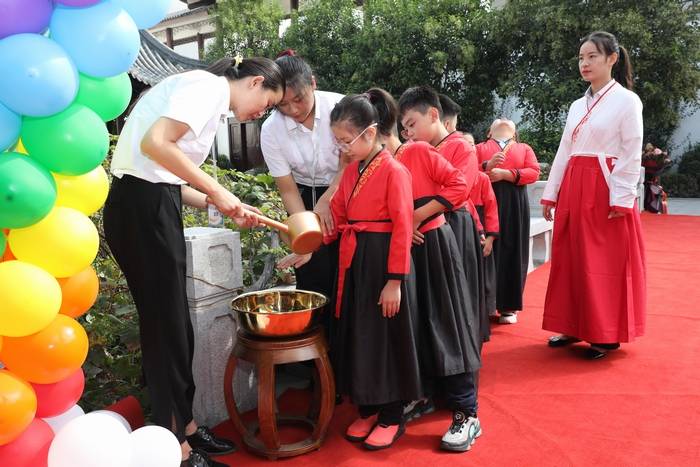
x=246 y=27
x=540 y=40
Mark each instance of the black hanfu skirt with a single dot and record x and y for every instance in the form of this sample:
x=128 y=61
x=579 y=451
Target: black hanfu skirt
x=512 y=249
x=450 y=339
x=376 y=358
x=469 y=244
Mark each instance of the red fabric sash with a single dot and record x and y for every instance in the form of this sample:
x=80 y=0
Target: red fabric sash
x=348 y=244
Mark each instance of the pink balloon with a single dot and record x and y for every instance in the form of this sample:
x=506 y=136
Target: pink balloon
x=54 y=399
x=31 y=449
x=78 y=3
x=19 y=16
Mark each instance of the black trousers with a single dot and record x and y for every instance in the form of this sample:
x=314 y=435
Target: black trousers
x=389 y=414
x=321 y=272
x=143 y=228
x=461 y=392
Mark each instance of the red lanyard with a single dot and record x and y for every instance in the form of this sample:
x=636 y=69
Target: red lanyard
x=585 y=117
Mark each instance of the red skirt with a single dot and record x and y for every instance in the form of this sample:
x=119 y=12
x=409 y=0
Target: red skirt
x=597 y=283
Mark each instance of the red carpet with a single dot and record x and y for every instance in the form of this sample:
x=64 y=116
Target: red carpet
x=548 y=407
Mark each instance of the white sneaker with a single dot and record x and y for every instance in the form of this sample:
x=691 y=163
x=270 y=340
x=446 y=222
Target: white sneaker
x=462 y=433
x=508 y=319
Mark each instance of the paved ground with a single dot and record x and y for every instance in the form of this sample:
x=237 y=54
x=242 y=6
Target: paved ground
x=687 y=206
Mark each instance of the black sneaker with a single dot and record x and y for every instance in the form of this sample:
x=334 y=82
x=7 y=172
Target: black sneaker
x=204 y=440
x=418 y=408
x=200 y=459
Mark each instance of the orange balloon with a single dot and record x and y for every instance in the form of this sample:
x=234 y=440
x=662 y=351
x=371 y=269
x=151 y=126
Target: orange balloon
x=7 y=255
x=48 y=356
x=79 y=292
x=17 y=406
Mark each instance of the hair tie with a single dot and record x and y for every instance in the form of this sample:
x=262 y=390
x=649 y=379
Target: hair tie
x=287 y=53
x=237 y=60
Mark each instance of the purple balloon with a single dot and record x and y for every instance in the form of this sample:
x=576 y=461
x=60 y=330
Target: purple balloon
x=78 y=3
x=19 y=16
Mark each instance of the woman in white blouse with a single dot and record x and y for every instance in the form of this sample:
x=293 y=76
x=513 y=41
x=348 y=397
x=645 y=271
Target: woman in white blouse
x=597 y=284
x=300 y=151
x=155 y=165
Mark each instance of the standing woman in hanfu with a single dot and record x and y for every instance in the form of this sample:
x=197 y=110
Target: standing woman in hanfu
x=597 y=284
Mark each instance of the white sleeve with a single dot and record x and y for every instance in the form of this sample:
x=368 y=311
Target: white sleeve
x=272 y=152
x=561 y=160
x=195 y=102
x=625 y=174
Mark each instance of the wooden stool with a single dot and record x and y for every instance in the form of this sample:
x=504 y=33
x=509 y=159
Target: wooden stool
x=265 y=353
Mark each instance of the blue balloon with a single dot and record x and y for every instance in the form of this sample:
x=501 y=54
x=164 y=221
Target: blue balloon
x=10 y=126
x=102 y=40
x=145 y=14
x=37 y=77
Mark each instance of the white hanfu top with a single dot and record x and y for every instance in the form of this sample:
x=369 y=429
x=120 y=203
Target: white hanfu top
x=197 y=98
x=613 y=128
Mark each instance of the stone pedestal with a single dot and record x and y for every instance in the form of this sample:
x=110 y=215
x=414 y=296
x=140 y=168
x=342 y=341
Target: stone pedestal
x=214 y=278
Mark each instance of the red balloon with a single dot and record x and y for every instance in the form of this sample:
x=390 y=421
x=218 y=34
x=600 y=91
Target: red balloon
x=54 y=399
x=31 y=448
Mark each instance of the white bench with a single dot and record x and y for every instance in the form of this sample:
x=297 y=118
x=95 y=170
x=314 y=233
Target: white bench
x=540 y=229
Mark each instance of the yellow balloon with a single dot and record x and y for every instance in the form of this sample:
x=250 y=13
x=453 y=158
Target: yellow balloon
x=20 y=147
x=29 y=299
x=63 y=243
x=86 y=193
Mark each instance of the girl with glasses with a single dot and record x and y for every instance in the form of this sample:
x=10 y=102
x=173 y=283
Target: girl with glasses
x=376 y=355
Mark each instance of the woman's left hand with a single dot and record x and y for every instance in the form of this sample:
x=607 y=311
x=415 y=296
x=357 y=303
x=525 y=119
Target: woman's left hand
x=614 y=214
x=323 y=210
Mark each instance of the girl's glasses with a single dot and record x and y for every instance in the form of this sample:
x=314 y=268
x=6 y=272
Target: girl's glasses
x=345 y=147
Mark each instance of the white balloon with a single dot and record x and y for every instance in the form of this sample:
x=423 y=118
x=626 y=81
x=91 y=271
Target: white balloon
x=93 y=440
x=154 y=446
x=59 y=421
x=118 y=417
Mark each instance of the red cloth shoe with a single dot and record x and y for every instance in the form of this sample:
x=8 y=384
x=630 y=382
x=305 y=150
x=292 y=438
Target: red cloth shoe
x=360 y=429
x=383 y=437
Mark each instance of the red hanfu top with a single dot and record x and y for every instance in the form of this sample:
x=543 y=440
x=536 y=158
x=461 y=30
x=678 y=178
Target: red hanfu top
x=378 y=199
x=520 y=160
x=433 y=178
x=482 y=195
x=462 y=156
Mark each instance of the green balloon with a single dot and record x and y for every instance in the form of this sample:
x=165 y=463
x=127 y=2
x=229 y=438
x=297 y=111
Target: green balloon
x=3 y=243
x=108 y=97
x=27 y=191
x=72 y=142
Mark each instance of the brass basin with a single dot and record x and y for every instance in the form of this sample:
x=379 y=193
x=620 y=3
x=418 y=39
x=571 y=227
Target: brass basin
x=275 y=313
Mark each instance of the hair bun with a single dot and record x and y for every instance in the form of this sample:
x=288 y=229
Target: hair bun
x=286 y=53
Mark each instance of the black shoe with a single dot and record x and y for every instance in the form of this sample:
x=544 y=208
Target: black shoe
x=200 y=459
x=204 y=440
x=598 y=351
x=562 y=341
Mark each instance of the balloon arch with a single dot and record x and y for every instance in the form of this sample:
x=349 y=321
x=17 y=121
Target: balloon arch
x=63 y=74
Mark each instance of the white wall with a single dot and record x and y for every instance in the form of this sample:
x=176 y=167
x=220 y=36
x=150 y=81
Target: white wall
x=687 y=133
